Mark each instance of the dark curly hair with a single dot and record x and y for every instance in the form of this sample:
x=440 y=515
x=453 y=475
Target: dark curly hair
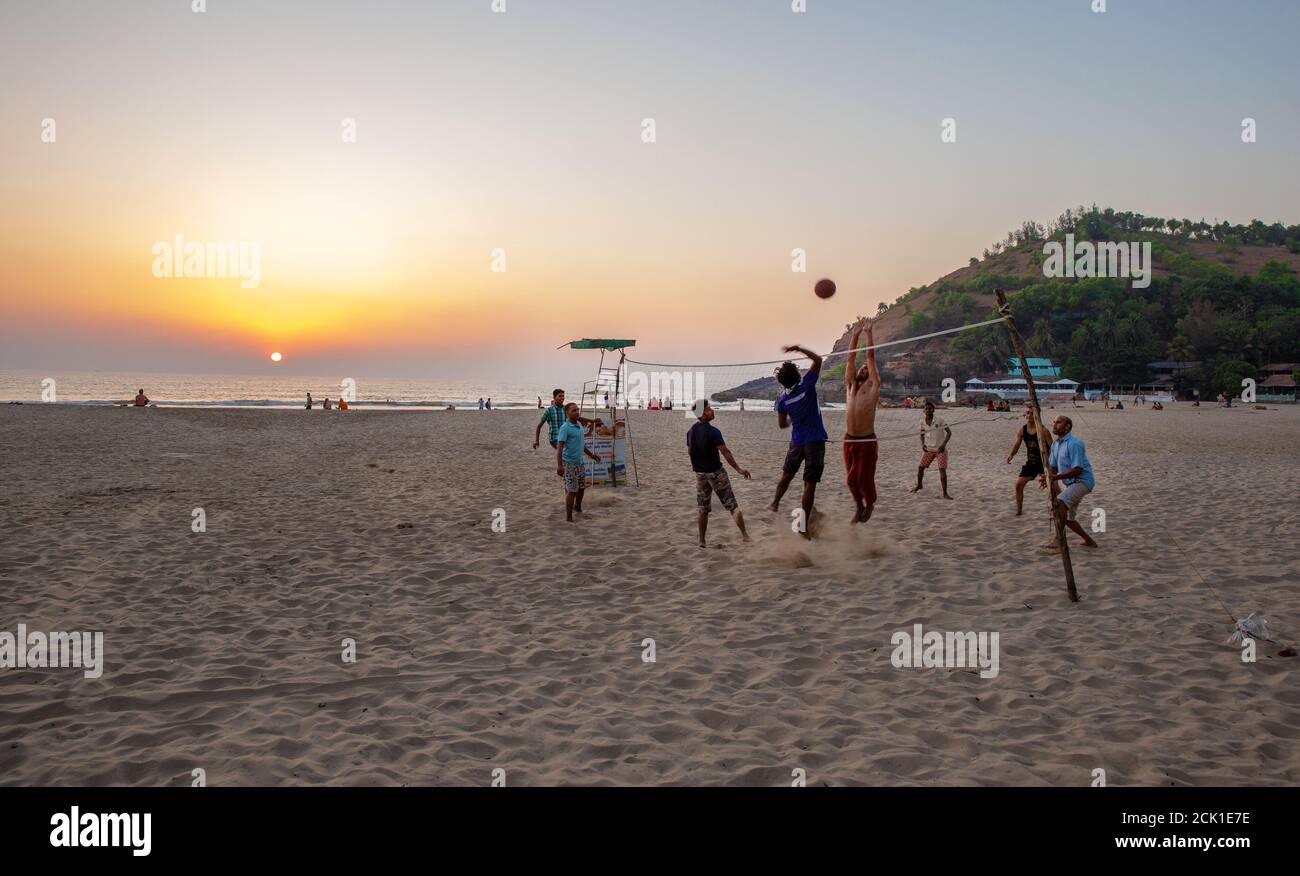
x=788 y=375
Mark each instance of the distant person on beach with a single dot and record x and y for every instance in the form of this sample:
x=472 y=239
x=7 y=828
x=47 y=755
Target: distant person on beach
x=704 y=443
x=539 y=403
x=489 y=404
x=1036 y=440
x=862 y=394
x=1067 y=464
x=327 y=406
x=343 y=404
x=797 y=409
x=141 y=400
x=480 y=403
x=935 y=435
x=570 y=447
x=309 y=401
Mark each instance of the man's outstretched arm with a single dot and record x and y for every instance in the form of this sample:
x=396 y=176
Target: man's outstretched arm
x=731 y=460
x=871 y=355
x=816 y=366
x=851 y=363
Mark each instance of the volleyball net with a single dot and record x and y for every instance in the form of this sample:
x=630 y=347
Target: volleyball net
x=753 y=385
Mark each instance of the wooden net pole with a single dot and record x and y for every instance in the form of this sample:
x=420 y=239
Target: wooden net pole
x=1019 y=345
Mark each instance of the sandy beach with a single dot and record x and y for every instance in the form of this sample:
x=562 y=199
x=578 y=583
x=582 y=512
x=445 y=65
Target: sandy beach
x=522 y=650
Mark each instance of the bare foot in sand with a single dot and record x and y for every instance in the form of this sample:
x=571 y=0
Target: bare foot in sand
x=773 y=508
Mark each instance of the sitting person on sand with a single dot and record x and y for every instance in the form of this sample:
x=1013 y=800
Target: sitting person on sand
x=327 y=406
x=704 y=443
x=343 y=404
x=141 y=400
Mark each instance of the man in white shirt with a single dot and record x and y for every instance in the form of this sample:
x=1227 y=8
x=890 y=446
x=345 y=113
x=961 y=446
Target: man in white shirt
x=934 y=445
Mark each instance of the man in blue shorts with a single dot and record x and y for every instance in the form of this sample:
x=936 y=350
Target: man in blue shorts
x=797 y=409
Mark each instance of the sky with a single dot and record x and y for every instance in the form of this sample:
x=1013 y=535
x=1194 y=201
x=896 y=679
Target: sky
x=516 y=139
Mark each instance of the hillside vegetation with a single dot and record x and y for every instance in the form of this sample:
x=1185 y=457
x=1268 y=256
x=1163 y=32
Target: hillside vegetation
x=1225 y=296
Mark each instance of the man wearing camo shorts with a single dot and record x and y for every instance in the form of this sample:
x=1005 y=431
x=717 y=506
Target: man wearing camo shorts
x=704 y=444
x=570 y=445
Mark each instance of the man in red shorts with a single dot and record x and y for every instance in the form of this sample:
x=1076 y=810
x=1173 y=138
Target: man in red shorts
x=862 y=394
x=934 y=445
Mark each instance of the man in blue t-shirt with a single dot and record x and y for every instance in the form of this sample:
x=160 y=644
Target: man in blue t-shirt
x=797 y=409
x=1068 y=464
x=570 y=445
x=704 y=443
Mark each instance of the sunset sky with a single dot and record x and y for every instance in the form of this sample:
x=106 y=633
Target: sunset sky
x=522 y=131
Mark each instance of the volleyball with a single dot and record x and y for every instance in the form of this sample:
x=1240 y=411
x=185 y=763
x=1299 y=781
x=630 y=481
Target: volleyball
x=825 y=288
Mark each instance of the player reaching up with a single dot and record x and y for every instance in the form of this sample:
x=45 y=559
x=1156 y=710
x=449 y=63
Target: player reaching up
x=862 y=394
x=797 y=409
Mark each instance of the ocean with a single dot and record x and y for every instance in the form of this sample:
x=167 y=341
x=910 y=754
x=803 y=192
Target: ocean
x=262 y=391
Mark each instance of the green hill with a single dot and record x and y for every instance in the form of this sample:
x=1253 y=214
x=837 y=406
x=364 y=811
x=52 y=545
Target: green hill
x=1224 y=296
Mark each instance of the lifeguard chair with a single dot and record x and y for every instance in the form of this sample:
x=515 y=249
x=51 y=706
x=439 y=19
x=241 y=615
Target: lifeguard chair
x=605 y=394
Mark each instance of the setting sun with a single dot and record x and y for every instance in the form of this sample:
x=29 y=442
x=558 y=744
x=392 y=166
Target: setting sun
x=275 y=357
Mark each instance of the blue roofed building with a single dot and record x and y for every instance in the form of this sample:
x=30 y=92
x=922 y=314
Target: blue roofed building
x=1037 y=367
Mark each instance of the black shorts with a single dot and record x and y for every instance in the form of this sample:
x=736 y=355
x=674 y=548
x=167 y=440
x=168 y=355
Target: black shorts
x=814 y=454
x=1031 y=470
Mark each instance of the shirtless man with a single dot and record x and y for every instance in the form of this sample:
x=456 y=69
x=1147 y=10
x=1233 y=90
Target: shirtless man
x=862 y=394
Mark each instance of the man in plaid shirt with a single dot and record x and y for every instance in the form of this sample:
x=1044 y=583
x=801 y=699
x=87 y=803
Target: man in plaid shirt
x=554 y=418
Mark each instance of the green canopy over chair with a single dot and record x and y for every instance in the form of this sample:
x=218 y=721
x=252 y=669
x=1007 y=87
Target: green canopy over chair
x=600 y=344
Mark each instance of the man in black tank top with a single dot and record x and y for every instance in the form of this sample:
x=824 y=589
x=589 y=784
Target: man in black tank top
x=1037 y=443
